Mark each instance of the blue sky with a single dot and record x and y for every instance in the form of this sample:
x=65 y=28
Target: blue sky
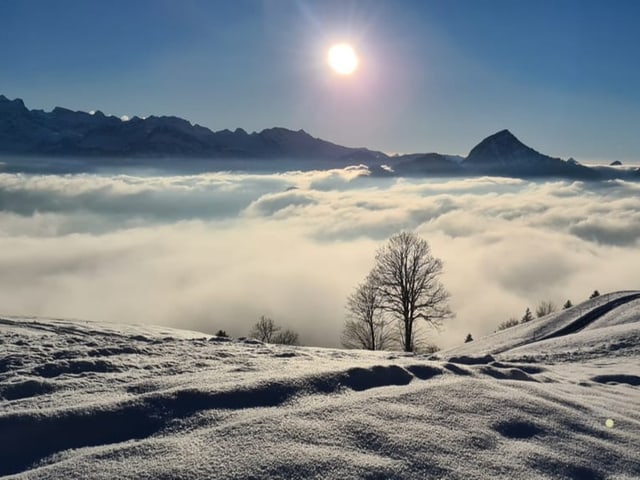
x=563 y=75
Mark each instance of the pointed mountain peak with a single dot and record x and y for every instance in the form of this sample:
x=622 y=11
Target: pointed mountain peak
x=502 y=136
x=503 y=148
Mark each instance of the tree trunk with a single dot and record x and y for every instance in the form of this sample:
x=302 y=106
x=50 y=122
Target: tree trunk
x=408 y=344
x=373 y=336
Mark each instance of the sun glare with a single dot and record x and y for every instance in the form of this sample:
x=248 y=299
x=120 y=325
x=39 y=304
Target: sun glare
x=342 y=59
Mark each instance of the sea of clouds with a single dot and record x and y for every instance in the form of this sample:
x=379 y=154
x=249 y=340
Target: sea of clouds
x=216 y=251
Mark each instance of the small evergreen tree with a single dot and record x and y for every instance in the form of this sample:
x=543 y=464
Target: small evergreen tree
x=221 y=333
x=468 y=339
x=567 y=304
x=595 y=294
x=527 y=317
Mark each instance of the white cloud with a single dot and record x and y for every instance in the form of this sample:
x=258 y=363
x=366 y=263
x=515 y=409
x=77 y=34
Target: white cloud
x=218 y=250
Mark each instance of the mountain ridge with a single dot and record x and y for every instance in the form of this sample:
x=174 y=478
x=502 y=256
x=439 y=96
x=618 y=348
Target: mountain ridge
x=64 y=132
x=504 y=152
x=95 y=138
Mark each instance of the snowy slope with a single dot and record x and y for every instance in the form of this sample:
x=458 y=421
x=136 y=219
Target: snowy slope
x=94 y=400
x=602 y=311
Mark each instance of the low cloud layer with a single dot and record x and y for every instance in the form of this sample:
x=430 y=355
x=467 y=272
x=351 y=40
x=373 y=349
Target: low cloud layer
x=219 y=250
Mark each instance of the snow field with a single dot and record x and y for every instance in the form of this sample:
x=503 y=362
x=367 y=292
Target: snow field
x=95 y=400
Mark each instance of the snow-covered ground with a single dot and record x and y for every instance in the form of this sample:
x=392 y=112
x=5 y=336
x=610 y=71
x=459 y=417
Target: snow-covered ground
x=556 y=398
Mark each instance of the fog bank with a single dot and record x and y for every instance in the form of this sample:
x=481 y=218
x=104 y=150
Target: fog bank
x=217 y=251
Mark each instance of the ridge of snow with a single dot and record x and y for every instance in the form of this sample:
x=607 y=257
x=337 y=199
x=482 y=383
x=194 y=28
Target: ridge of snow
x=96 y=400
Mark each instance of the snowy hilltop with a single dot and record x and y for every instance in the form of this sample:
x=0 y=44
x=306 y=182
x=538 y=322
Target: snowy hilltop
x=557 y=397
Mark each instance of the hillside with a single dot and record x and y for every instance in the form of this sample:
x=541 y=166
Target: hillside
x=612 y=317
x=558 y=398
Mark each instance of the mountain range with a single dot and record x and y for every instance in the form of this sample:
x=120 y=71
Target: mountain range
x=78 y=141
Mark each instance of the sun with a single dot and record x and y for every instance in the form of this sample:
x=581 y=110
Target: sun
x=342 y=59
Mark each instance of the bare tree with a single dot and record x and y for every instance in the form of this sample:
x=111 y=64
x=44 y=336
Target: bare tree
x=420 y=338
x=545 y=308
x=287 y=337
x=366 y=327
x=512 y=322
x=428 y=349
x=406 y=275
x=265 y=329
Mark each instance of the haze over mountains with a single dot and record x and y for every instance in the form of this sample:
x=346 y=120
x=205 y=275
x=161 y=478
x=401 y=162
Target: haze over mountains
x=94 y=139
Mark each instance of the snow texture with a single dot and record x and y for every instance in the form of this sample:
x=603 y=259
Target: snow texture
x=96 y=400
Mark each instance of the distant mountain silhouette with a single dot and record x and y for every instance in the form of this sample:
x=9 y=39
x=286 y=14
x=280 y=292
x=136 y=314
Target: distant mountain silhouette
x=63 y=132
x=502 y=153
x=429 y=163
x=502 y=149
x=79 y=141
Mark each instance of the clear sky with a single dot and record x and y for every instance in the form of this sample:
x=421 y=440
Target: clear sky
x=563 y=75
